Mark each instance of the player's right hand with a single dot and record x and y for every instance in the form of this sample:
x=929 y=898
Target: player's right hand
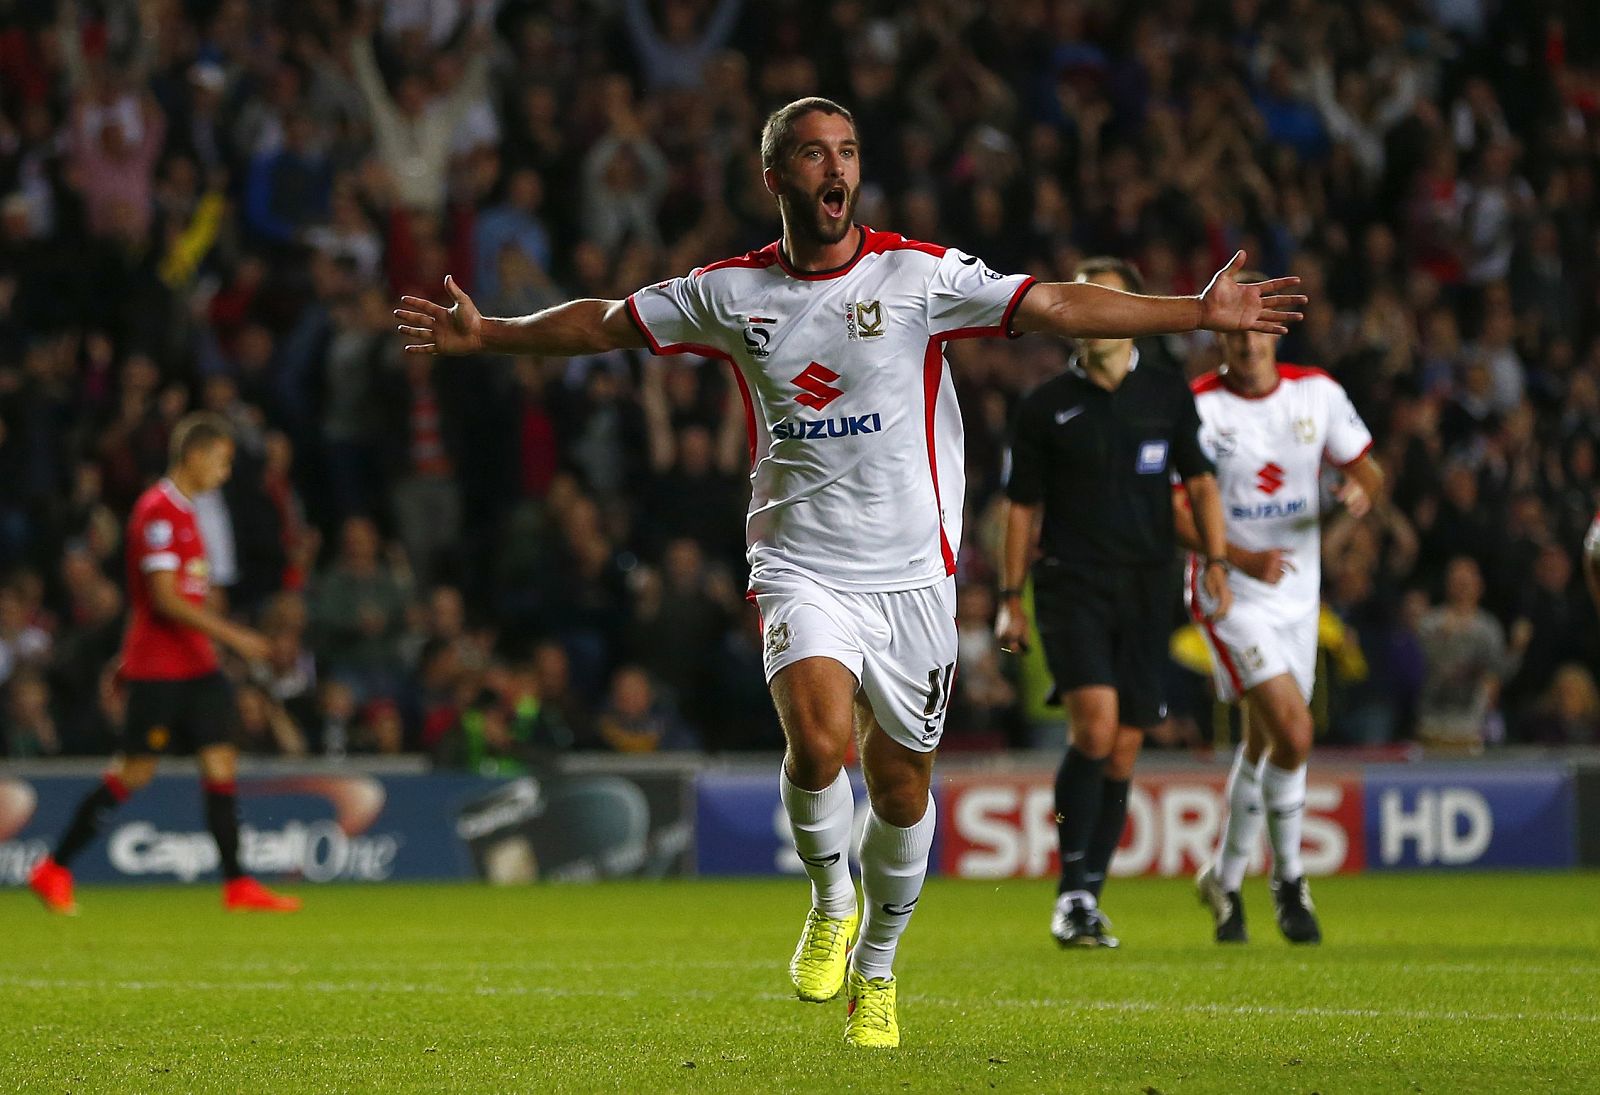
x=436 y=329
x=1268 y=566
x=1011 y=628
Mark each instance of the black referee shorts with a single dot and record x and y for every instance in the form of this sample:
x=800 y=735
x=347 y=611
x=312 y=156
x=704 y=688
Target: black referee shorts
x=1108 y=625
x=179 y=716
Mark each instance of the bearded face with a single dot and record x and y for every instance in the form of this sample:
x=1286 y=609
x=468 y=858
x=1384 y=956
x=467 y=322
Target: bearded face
x=821 y=213
x=818 y=182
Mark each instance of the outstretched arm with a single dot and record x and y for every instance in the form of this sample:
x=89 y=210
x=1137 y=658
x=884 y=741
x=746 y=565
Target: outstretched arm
x=577 y=327
x=1081 y=309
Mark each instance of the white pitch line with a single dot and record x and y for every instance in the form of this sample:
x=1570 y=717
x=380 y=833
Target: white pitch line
x=1054 y=1004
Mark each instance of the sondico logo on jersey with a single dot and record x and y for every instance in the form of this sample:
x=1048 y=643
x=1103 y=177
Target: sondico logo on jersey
x=863 y=319
x=817 y=390
x=758 y=335
x=1269 y=481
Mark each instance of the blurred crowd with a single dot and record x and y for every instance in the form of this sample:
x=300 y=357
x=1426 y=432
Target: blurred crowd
x=215 y=203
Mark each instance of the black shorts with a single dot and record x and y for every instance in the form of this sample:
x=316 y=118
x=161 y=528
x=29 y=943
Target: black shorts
x=179 y=716
x=1108 y=625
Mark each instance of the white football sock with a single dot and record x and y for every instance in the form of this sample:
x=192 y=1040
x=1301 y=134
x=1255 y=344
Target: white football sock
x=1284 y=793
x=1243 y=827
x=894 y=862
x=820 y=822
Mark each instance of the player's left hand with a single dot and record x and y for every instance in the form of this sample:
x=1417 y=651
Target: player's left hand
x=436 y=329
x=1354 y=498
x=1218 y=596
x=1263 y=306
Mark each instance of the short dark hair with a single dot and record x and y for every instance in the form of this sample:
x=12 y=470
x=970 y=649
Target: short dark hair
x=777 y=136
x=196 y=430
x=1110 y=264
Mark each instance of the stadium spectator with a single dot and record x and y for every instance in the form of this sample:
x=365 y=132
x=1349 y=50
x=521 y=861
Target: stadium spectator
x=636 y=720
x=1569 y=711
x=358 y=610
x=29 y=728
x=265 y=729
x=1467 y=662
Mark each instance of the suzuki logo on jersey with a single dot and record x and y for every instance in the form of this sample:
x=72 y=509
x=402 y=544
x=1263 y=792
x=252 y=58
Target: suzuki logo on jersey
x=757 y=336
x=863 y=319
x=1269 y=480
x=801 y=429
x=1292 y=507
x=816 y=385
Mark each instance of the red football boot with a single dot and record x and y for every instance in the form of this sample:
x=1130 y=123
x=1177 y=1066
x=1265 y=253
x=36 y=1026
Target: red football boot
x=53 y=883
x=244 y=894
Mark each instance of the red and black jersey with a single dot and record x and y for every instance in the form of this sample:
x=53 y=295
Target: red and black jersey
x=163 y=535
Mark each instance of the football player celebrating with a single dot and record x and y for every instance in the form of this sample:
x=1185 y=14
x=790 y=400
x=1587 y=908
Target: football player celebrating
x=836 y=336
x=1269 y=428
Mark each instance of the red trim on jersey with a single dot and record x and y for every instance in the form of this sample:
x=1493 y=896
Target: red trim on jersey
x=219 y=786
x=751 y=260
x=881 y=242
x=638 y=321
x=1356 y=459
x=1001 y=329
x=872 y=243
x=749 y=409
x=932 y=374
x=1216 y=643
x=704 y=351
x=114 y=784
x=1214 y=381
x=660 y=350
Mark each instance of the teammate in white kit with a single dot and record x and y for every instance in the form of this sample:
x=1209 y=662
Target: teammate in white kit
x=836 y=337
x=1270 y=428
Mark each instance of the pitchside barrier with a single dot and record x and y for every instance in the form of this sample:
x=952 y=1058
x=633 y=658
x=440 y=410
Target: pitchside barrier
x=606 y=817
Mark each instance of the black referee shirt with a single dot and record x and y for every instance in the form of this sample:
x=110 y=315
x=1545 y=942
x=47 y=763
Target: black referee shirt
x=1100 y=463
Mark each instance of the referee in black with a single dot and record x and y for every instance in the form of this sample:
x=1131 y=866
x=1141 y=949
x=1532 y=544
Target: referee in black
x=1094 y=452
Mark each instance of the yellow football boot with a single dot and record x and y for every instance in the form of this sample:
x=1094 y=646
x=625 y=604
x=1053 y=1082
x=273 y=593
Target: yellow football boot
x=817 y=968
x=870 y=1019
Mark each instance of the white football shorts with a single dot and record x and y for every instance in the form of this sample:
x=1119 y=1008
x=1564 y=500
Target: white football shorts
x=900 y=645
x=1252 y=644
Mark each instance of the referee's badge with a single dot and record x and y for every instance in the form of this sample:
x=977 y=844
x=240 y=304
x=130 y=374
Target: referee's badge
x=1152 y=458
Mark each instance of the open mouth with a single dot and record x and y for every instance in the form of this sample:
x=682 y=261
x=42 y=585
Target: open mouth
x=833 y=200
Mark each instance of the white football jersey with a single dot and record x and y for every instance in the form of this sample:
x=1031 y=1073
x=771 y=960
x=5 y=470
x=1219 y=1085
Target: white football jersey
x=1269 y=451
x=855 y=438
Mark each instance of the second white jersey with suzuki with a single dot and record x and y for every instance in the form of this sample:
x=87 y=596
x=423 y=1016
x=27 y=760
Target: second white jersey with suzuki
x=855 y=438
x=1269 y=452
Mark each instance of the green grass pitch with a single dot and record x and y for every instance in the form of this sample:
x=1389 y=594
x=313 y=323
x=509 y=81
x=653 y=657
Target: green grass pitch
x=1426 y=984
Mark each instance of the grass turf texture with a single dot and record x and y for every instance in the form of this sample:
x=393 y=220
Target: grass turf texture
x=1427 y=983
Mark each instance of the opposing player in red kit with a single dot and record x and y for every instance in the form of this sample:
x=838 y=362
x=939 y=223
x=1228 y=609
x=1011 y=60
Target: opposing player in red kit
x=176 y=693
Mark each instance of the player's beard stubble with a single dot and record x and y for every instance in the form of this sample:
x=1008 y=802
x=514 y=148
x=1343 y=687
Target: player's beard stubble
x=806 y=216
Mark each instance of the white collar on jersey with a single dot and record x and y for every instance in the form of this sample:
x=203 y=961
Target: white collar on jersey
x=179 y=499
x=1077 y=370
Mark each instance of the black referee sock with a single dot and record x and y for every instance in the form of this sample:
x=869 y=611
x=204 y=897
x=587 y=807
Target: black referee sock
x=1107 y=833
x=90 y=818
x=222 y=818
x=1078 y=786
